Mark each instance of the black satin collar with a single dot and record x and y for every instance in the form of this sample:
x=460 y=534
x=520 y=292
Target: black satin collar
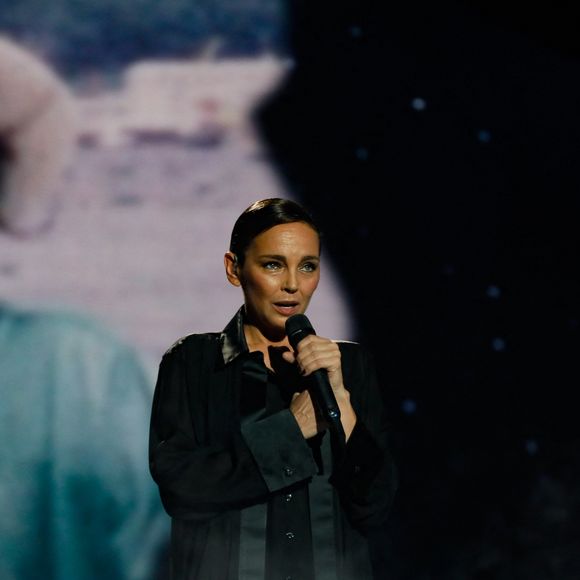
x=232 y=337
x=233 y=344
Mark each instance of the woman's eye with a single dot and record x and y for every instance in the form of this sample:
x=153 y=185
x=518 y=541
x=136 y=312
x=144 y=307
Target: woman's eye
x=309 y=267
x=271 y=265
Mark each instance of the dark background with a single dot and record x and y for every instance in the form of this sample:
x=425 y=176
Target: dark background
x=438 y=145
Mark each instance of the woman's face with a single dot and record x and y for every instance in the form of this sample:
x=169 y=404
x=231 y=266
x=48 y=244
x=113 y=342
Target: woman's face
x=279 y=275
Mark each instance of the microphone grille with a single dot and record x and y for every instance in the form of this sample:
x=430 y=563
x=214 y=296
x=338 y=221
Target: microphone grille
x=297 y=327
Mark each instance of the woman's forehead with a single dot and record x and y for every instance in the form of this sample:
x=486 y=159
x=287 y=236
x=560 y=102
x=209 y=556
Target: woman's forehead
x=287 y=238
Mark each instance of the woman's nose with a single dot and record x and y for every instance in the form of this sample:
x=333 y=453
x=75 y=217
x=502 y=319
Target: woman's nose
x=290 y=283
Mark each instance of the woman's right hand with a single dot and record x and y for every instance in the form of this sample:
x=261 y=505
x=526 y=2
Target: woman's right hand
x=303 y=410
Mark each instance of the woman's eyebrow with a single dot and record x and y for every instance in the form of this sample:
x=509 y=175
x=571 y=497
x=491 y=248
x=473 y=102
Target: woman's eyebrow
x=283 y=258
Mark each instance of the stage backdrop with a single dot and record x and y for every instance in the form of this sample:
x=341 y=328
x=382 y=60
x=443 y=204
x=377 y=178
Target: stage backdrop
x=128 y=151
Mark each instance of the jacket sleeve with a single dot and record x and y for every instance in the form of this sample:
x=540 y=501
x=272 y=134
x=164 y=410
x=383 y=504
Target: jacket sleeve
x=366 y=478
x=199 y=479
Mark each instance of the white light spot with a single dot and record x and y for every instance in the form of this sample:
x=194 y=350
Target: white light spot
x=419 y=104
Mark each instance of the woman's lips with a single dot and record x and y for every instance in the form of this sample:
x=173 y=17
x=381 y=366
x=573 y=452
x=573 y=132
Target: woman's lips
x=286 y=308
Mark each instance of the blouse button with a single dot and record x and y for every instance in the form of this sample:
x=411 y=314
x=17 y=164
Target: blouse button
x=290 y=535
x=288 y=497
x=288 y=471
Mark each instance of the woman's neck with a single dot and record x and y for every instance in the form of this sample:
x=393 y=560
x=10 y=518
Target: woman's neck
x=256 y=340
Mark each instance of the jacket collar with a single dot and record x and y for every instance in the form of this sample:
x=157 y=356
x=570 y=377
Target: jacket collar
x=232 y=338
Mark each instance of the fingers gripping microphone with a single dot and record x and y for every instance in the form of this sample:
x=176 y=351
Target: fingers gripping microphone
x=298 y=327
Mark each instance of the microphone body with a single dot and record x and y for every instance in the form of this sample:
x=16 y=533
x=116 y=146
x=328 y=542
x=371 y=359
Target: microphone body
x=298 y=327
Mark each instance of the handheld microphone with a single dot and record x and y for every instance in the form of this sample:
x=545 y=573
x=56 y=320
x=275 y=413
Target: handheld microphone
x=298 y=327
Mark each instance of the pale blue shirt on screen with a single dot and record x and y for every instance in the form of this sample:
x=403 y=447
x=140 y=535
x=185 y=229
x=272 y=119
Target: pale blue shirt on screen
x=76 y=498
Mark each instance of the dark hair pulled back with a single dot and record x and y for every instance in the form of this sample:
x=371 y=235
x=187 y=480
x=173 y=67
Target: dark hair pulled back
x=263 y=215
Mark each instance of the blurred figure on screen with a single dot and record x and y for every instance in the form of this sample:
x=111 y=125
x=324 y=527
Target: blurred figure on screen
x=37 y=128
x=76 y=500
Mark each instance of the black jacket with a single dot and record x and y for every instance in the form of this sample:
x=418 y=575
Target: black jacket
x=208 y=468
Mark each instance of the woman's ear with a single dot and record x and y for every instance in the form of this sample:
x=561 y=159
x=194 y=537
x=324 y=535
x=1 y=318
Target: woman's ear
x=232 y=268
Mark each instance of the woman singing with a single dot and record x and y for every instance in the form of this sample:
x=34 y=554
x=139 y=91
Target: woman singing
x=257 y=485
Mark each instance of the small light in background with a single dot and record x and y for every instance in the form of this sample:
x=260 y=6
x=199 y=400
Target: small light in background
x=362 y=154
x=355 y=31
x=362 y=231
x=484 y=136
x=498 y=344
x=409 y=406
x=531 y=447
x=419 y=104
